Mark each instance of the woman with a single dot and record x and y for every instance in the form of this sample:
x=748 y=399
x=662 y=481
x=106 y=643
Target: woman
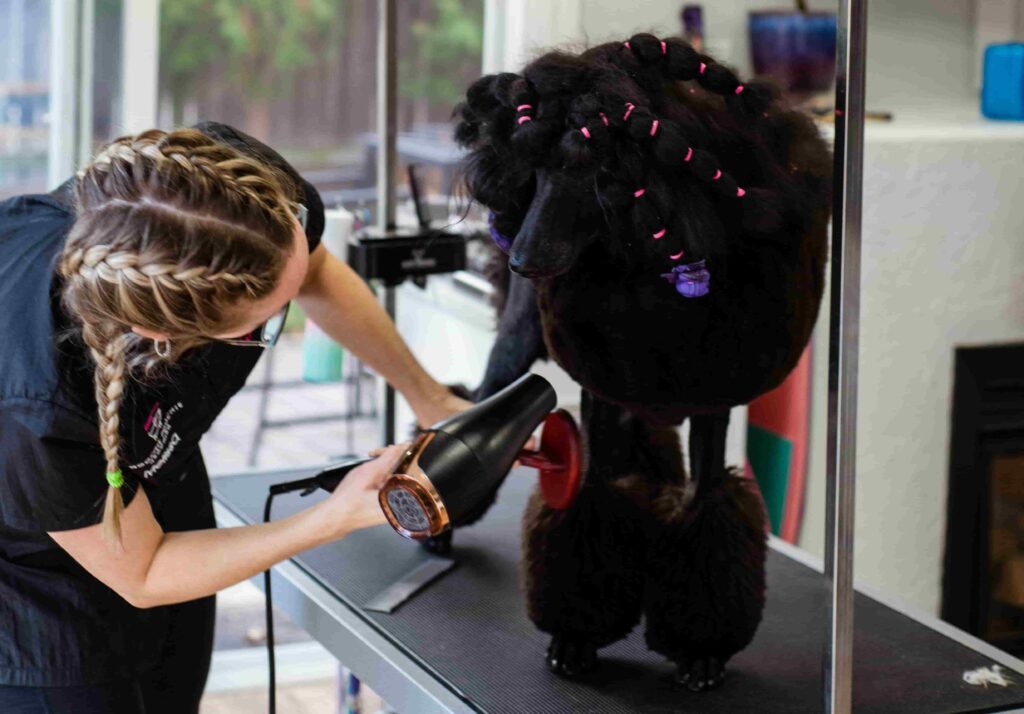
x=135 y=302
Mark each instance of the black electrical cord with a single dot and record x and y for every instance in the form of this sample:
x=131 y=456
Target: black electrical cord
x=269 y=601
x=327 y=479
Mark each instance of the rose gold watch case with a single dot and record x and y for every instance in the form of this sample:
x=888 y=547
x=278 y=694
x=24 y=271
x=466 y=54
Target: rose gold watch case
x=409 y=477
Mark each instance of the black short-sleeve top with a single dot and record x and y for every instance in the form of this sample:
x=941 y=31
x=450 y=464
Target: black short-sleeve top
x=58 y=624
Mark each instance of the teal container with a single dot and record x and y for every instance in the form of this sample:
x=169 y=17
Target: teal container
x=322 y=357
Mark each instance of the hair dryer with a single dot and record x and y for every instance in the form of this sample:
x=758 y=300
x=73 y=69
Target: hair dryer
x=455 y=465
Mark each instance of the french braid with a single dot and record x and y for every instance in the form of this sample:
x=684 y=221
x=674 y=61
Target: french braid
x=173 y=231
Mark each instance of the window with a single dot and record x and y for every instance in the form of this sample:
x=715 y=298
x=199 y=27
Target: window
x=24 y=95
x=302 y=77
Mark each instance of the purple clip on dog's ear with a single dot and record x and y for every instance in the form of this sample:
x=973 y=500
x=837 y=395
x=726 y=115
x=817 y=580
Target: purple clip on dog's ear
x=691 y=280
x=503 y=241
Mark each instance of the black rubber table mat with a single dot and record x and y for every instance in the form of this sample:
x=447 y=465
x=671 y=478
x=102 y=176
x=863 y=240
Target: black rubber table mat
x=469 y=628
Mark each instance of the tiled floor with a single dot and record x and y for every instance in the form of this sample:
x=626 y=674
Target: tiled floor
x=226 y=448
x=311 y=698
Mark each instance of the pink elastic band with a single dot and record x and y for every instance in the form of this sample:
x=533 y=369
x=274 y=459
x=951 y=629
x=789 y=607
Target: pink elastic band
x=525 y=119
x=521 y=107
x=703 y=67
x=718 y=175
x=629 y=110
x=654 y=127
x=660 y=233
x=639 y=192
x=689 y=154
x=740 y=193
x=586 y=131
x=739 y=89
x=663 y=47
x=626 y=45
x=604 y=118
x=677 y=256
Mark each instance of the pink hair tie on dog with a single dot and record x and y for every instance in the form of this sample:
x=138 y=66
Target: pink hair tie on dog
x=663 y=49
x=586 y=131
x=654 y=127
x=677 y=256
x=639 y=192
x=739 y=89
x=718 y=175
x=740 y=193
x=660 y=234
x=626 y=45
x=629 y=110
x=603 y=118
x=523 y=107
x=523 y=120
x=689 y=154
x=703 y=67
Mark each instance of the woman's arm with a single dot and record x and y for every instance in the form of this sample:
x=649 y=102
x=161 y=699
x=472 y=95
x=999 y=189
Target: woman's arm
x=157 y=568
x=339 y=301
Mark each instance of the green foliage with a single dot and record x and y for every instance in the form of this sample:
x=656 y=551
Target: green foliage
x=443 y=48
x=254 y=41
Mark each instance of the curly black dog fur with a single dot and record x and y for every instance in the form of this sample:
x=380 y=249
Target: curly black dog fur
x=603 y=170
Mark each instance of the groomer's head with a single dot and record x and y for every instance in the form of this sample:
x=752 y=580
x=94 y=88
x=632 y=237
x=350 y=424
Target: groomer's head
x=178 y=238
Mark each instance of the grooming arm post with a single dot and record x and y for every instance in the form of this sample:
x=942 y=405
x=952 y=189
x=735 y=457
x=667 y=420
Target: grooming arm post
x=837 y=659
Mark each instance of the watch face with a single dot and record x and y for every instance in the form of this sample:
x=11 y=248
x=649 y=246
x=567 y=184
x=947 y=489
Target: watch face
x=407 y=510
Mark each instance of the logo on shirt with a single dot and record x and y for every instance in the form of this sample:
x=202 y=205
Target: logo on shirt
x=154 y=421
x=158 y=428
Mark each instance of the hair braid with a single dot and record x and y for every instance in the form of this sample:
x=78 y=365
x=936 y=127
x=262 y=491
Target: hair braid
x=108 y=348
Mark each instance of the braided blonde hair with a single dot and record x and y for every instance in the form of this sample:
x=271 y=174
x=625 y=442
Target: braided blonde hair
x=173 y=232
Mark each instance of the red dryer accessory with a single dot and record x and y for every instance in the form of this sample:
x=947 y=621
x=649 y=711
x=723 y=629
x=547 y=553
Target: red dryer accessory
x=558 y=459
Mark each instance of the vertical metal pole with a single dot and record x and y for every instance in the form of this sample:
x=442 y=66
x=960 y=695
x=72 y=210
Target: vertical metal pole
x=837 y=660
x=387 y=132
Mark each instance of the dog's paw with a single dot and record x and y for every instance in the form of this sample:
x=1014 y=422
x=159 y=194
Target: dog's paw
x=569 y=656
x=700 y=674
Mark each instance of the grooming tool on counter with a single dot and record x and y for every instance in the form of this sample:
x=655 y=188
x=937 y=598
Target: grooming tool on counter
x=455 y=465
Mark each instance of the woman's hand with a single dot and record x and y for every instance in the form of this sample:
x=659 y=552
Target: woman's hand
x=354 y=504
x=441 y=406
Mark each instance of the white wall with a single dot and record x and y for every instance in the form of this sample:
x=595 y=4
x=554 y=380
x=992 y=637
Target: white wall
x=942 y=257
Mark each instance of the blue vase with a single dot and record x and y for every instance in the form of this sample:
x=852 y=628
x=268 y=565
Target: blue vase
x=797 y=50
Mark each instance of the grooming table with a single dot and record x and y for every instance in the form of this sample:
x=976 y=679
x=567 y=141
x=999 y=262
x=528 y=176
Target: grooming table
x=464 y=643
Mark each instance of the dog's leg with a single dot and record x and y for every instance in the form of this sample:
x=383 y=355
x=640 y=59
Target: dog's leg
x=705 y=569
x=583 y=566
x=519 y=343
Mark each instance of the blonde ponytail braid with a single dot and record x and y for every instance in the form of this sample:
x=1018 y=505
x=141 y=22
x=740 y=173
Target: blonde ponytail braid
x=108 y=350
x=174 y=233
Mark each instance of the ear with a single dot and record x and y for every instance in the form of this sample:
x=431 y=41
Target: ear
x=149 y=334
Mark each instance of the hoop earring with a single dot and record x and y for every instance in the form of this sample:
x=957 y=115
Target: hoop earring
x=162 y=348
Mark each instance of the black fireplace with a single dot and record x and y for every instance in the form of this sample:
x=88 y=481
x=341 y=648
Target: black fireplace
x=983 y=581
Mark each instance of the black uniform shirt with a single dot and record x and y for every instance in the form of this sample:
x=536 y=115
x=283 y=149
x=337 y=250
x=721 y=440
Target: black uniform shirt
x=58 y=624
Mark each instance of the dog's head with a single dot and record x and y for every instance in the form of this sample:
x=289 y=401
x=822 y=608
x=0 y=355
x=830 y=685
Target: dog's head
x=644 y=150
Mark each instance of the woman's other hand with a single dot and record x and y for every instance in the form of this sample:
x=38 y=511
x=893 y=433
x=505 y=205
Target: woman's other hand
x=441 y=405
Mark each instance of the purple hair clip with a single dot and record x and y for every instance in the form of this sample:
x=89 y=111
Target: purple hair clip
x=692 y=280
x=503 y=241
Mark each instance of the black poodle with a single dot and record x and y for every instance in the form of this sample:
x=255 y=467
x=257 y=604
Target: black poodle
x=666 y=230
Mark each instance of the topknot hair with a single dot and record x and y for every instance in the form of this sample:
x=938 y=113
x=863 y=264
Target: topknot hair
x=649 y=114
